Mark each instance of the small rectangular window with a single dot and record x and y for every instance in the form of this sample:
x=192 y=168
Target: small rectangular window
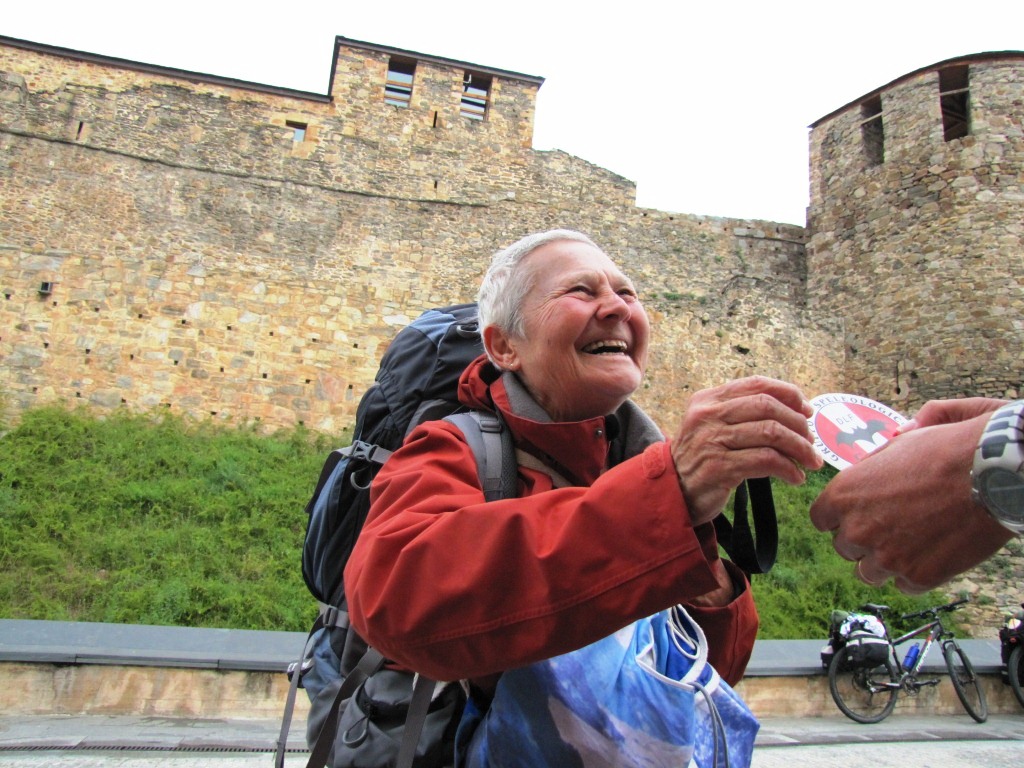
x=299 y=129
x=476 y=90
x=954 y=98
x=871 y=130
x=398 y=88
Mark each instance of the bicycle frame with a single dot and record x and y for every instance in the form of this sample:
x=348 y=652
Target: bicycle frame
x=935 y=632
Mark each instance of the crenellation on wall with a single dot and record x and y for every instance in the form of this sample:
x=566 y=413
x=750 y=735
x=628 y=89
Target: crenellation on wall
x=357 y=143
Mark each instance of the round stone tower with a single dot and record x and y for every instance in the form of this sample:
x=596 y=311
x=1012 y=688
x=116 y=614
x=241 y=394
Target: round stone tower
x=916 y=227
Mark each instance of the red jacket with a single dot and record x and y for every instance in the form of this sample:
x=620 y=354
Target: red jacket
x=449 y=585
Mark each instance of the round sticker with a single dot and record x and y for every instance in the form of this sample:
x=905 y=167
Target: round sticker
x=846 y=428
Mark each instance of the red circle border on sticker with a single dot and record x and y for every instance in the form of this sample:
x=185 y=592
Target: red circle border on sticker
x=847 y=428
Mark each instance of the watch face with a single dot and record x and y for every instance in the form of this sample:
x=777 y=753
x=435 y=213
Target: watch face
x=1004 y=494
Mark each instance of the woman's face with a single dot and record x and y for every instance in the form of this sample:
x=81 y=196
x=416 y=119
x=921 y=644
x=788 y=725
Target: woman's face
x=585 y=346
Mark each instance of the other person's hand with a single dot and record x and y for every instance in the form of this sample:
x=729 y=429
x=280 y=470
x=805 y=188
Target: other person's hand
x=906 y=510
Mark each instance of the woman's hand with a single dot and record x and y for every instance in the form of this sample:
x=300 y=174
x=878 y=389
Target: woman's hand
x=752 y=427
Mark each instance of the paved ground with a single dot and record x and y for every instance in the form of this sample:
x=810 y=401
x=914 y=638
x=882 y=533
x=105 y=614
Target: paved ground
x=897 y=742
x=137 y=742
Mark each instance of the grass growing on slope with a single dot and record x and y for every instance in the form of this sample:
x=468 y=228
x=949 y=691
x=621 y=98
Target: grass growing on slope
x=132 y=519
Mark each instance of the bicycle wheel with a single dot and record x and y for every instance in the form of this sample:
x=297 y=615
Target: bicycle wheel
x=1015 y=671
x=965 y=682
x=864 y=694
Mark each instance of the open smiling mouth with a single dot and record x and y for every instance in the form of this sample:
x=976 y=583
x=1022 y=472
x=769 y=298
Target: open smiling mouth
x=606 y=347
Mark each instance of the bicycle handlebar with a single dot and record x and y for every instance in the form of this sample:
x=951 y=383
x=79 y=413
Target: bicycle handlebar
x=934 y=611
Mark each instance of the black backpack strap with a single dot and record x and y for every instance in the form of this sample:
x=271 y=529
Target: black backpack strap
x=752 y=555
x=368 y=665
x=493 y=447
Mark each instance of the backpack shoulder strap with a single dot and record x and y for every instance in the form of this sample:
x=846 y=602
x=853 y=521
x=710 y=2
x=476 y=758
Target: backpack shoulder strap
x=492 y=445
x=493 y=448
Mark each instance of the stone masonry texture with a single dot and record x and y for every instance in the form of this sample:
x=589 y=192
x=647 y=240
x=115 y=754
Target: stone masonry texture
x=171 y=241
x=919 y=256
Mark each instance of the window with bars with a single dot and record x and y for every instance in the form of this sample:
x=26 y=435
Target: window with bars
x=398 y=88
x=954 y=98
x=476 y=90
x=871 y=131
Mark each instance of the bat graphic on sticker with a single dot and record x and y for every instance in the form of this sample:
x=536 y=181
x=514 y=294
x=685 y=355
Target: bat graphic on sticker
x=846 y=428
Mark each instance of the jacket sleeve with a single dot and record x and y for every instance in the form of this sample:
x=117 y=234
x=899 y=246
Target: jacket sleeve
x=446 y=584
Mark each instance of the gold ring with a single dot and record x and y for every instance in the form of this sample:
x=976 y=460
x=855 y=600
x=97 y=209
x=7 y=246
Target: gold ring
x=859 y=573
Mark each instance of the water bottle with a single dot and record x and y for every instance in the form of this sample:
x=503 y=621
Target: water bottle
x=911 y=658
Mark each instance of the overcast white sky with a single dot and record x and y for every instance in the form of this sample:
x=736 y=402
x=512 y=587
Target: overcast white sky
x=704 y=105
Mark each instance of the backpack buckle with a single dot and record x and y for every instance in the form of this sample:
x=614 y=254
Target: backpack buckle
x=359 y=451
x=368 y=452
x=333 y=617
x=488 y=421
x=301 y=668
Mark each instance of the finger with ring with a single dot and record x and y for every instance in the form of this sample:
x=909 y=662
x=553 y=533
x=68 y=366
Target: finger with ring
x=858 y=570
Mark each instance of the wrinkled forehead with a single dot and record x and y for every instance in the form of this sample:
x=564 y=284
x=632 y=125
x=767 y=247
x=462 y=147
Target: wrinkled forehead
x=566 y=260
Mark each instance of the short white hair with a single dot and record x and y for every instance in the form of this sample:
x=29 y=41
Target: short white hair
x=506 y=283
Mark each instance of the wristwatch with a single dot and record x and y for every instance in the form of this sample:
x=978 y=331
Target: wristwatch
x=998 y=473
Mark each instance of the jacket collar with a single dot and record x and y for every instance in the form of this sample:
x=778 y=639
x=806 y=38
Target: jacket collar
x=584 y=448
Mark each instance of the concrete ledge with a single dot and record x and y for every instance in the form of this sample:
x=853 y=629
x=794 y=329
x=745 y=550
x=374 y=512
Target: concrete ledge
x=110 y=669
x=62 y=642
x=774 y=658
x=35 y=689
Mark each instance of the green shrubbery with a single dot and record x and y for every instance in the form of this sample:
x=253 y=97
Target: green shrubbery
x=134 y=520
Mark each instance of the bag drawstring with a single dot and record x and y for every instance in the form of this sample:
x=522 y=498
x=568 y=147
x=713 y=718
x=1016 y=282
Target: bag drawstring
x=717 y=725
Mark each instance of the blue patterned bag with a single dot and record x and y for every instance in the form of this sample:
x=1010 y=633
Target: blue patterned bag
x=644 y=696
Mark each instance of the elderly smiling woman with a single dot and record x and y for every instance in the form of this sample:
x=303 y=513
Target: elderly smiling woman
x=613 y=522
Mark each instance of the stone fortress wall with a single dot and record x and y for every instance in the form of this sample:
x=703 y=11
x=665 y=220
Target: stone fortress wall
x=239 y=252
x=244 y=253
x=915 y=245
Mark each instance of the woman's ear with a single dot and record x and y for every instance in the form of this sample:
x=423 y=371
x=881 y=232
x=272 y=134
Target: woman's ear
x=501 y=348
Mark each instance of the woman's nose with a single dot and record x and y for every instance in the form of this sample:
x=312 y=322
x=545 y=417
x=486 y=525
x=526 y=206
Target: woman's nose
x=614 y=306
